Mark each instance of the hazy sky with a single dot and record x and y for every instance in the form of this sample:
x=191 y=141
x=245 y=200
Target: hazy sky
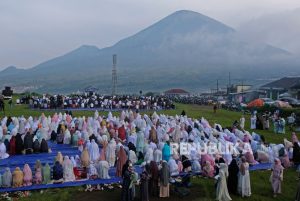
x=33 y=31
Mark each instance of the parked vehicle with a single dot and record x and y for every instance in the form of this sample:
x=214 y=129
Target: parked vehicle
x=292 y=101
x=268 y=101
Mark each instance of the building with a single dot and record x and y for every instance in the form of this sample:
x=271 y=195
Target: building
x=238 y=88
x=176 y=92
x=289 y=85
x=245 y=96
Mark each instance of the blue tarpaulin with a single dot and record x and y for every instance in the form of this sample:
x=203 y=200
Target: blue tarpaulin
x=18 y=161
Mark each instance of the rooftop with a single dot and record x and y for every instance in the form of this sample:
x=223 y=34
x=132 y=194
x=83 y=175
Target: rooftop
x=176 y=91
x=284 y=83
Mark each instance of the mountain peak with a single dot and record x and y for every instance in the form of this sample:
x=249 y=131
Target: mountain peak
x=9 y=69
x=187 y=12
x=180 y=24
x=197 y=19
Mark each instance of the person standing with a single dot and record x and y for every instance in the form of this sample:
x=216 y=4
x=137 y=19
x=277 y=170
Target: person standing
x=10 y=102
x=253 y=121
x=164 y=180
x=298 y=193
x=215 y=108
x=122 y=158
x=222 y=191
x=127 y=194
x=154 y=178
x=233 y=176
x=166 y=152
x=242 y=122
x=244 y=187
x=276 y=177
x=144 y=187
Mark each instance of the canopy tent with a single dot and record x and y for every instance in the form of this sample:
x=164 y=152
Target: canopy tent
x=282 y=104
x=286 y=94
x=256 y=103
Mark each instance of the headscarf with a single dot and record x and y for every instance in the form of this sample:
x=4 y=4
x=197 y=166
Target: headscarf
x=165 y=173
x=27 y=174
x=85 y=158
x=57 y=171
x=242 y=166
x=59 y=157
x=28 y=141
x=44 y=146
x=294 y=138
x=296 y=153
x=166 y=152
x=18 y=177
x=233 y=167
x=154 y=170
x=122 y=158
x=3 y=153
x=73 y=161
x=7 y=178
x=93 y=149
x=36 y=146
x=78 y=161
x=46 y=174
x=277 y=165
x=224 y=168
x=19 y=144
x=68 y=169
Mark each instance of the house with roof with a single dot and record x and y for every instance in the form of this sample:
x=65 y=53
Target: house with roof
x=286 y=85
x=176 y=92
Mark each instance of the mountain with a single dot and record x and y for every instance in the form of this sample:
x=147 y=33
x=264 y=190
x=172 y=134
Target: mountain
x=11 y=70
x=184 y=50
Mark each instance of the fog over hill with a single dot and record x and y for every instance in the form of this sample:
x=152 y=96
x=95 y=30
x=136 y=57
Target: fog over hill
x=183 y=50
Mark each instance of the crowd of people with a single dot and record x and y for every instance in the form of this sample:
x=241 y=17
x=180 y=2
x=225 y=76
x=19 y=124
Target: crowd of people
x=21 y=136
x=264 y=120
x=101 y=102
x=153 y=142
x=199 y=100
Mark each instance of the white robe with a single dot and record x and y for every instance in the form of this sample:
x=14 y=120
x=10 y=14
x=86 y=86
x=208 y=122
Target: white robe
x=94 y=151
x=3 y=153
x=157 y=155
x=253 y=122
x=244 y=187
x=111 y=153
x=149 y=155
x=68 y=170
x=92 y=170
x=132 y=157
x=173 y=167
x=222 y=190
x=67 y=137
x=102 y=169
x=196 y=167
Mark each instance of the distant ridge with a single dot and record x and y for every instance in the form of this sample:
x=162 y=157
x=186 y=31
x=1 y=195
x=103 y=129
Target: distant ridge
x=184 y=50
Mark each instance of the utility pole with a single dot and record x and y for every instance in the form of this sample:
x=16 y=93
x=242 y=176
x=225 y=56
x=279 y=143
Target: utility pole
x=229 y=84
x=114 y=75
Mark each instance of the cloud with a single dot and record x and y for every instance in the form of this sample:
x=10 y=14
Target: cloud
x=35 y=31
x=280 y=29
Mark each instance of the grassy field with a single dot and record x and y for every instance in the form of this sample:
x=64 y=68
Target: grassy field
x=203 y=189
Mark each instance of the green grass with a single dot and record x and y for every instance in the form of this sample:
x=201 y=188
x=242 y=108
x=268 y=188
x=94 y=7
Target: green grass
x=203 y=189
